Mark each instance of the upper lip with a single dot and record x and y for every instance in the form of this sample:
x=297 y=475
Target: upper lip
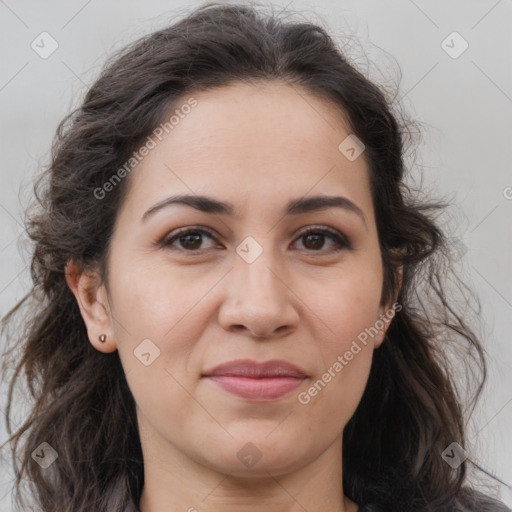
x=254 y=369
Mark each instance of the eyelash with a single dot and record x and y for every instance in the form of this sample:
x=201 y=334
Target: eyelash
x=340 y=241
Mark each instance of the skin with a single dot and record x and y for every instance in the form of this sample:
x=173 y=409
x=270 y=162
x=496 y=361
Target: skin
x=256 y=146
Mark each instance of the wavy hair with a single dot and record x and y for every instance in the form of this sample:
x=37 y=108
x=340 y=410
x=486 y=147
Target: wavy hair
x=411 y=409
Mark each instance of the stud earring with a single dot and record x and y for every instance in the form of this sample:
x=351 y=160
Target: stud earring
x=102 y=338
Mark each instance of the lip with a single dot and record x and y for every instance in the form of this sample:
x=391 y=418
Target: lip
x=257 y=381
x=256 y=370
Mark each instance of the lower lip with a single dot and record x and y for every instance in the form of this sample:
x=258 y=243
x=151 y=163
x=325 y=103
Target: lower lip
x=263 y=389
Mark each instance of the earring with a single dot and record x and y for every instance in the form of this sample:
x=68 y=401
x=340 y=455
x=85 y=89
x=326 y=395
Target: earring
x=102 y=338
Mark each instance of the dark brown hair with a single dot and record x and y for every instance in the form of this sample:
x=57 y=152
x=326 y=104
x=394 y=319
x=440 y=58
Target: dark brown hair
x=411 y=410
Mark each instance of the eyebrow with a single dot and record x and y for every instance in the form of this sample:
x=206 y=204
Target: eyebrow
x=294 y=207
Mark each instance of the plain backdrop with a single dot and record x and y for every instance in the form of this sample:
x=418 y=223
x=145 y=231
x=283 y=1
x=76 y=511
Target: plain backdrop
x=458 y=85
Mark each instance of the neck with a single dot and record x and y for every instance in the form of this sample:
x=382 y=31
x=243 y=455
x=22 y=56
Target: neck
x=178 y=484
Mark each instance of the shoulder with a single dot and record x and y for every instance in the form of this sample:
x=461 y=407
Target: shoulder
x=468 y=501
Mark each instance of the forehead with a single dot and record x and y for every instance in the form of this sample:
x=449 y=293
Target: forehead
x=249 y=142
x=274 y=117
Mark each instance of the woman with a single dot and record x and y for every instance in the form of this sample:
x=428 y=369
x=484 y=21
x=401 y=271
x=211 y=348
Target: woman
x=225 y=312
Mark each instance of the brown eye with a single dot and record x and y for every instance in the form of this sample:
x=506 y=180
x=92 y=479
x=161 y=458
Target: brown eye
x=190 y=239
x=314 y=239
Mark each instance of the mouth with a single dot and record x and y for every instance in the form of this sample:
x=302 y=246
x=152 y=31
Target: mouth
x=257 y=381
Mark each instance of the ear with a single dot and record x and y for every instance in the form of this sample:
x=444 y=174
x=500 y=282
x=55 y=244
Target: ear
x=92 y=300
x=387 y=312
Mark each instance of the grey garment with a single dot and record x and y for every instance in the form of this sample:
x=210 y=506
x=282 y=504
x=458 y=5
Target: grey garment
x=483 y=504
x=487 y=504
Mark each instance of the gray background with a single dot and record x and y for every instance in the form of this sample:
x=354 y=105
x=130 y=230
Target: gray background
x=465 y=104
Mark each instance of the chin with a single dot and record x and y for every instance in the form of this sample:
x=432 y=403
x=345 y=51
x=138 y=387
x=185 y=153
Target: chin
x=257 y=459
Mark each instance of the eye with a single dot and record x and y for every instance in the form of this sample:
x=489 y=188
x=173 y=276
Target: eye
x=190 y=239
x=315 y=237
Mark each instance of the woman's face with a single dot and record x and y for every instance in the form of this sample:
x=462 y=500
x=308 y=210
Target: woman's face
x=246 y=283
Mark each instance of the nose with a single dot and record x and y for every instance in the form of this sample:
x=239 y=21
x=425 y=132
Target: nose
x=258 y=299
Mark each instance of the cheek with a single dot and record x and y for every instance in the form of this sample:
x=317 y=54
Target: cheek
x=153 y=299
x=346 y=304
x=345 y=311
x=335 y=392
x=158 y=311
x=156 y=325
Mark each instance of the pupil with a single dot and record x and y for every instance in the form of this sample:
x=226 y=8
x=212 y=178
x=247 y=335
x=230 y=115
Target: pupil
x=197 y=238
x=316 y=238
